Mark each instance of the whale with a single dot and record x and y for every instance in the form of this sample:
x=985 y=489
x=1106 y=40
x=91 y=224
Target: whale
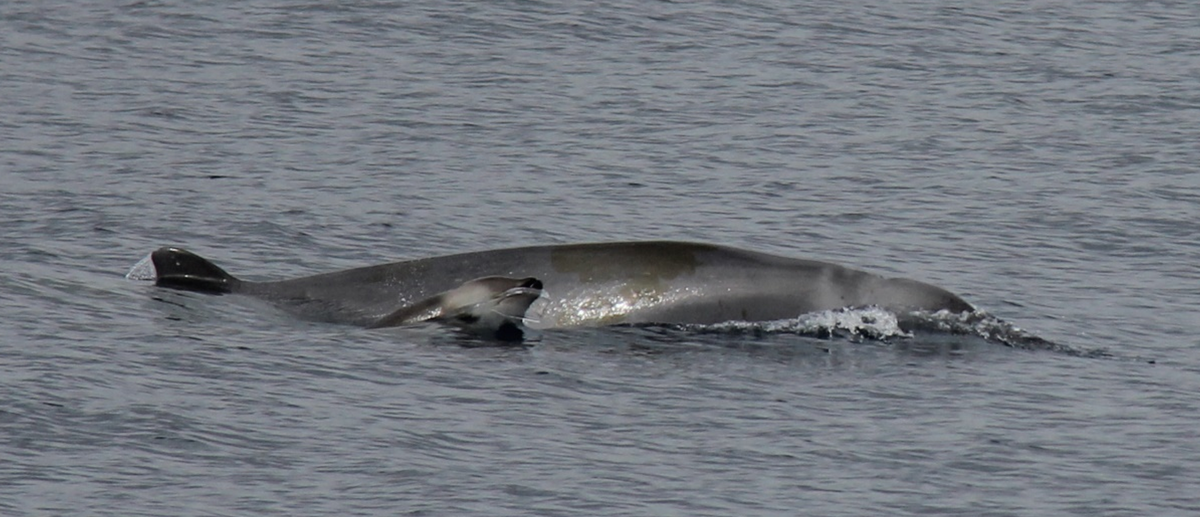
x=491 y=306
x=578 y=285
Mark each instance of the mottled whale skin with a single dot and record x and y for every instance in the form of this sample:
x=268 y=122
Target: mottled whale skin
x=584 y=285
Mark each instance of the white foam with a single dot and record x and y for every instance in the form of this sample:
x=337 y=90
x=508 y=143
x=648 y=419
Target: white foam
x=871 y=322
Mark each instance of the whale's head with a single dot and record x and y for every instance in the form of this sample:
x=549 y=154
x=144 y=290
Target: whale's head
x=906 y=294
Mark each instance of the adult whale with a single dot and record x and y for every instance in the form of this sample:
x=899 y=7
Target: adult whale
x=584 y=284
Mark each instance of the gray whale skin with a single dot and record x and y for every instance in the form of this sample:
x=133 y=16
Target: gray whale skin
x=579 y=285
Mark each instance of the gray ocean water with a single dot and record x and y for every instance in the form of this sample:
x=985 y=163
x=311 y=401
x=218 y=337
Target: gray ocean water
x=1039 y=158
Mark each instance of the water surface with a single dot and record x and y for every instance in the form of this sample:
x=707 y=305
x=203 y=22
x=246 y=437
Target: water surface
x=1037 y=159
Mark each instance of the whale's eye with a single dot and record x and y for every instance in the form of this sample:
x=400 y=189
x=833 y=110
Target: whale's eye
x=466 y=317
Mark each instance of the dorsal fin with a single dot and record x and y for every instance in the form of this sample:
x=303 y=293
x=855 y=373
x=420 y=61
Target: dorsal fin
x=181 y=269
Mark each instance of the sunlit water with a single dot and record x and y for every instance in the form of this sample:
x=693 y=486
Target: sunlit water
x=1039 y=160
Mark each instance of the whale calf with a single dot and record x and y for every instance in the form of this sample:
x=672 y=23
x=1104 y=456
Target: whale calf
x=596 y=284
x=491 y=306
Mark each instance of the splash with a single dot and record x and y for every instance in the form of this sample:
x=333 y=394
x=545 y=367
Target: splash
x=855 y=324
x=875 y=324
x=990 y=328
